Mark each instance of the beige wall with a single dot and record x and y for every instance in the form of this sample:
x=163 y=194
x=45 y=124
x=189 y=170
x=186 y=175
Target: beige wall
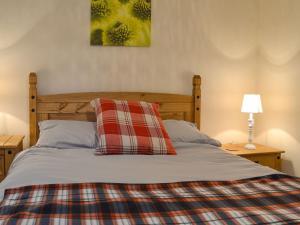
x=215 y=38
x=237 y=46
x=279 y=78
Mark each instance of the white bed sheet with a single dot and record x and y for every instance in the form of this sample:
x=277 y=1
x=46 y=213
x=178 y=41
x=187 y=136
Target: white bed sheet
x=194 y=162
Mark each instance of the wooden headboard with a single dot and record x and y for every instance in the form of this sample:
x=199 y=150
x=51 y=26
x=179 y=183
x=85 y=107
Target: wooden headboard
x=76 y=106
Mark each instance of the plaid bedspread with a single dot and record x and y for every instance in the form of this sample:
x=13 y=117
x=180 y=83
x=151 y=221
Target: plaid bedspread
x=267 y=200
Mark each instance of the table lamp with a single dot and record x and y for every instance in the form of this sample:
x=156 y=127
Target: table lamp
x=251 y=104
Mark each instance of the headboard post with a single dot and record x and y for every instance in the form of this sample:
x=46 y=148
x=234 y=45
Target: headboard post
x=197 y=99
x=33 y=108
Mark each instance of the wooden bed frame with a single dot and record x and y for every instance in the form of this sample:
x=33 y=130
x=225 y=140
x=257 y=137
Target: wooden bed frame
x=76 y=106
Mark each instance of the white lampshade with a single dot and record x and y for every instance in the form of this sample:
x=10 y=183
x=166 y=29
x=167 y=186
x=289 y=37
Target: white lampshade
x=252 y=104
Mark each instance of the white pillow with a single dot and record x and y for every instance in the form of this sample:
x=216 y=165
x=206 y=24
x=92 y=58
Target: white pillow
x=67 y=134
x=183 y=131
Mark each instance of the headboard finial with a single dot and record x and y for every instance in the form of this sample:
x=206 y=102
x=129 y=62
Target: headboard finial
x=197 y=80
x=32 y=78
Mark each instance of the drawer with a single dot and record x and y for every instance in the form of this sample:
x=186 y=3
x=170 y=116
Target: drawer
x=271 y=160
x=9 y=157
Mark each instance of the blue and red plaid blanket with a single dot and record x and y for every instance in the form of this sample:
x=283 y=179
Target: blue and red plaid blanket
x=267 y=200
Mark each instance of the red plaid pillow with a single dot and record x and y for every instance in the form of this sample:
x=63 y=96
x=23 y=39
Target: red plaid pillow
x=130 y=127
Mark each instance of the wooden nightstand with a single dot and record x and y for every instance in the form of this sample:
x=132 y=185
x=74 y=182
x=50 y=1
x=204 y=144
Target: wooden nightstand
x=10 y=145
x=263 y=155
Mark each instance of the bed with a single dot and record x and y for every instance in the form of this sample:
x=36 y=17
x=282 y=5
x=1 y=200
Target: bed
x=202 y=184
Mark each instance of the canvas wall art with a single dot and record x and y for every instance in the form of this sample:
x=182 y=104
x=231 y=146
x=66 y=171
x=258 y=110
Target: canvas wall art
x=121 y=23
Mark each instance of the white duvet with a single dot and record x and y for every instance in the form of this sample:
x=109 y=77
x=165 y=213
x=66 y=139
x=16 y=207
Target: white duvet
x=194 y=162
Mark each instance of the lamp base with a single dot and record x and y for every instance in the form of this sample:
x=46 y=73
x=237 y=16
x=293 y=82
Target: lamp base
x=250 y=146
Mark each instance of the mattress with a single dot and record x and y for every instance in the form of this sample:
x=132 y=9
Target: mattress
x=194 y=162
x=201 y=185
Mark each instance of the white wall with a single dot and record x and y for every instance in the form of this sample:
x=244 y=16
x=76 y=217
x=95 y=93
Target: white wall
x=279 y=79
x=237 y=46
x=214 y=38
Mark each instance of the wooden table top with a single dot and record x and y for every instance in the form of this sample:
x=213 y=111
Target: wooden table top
x=10 y=141
x=239 y=149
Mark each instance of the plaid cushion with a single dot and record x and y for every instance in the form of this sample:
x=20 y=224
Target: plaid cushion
x=134 y=127
x=266 y=200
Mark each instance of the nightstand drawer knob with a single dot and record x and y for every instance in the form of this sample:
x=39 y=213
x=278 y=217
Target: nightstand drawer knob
x=9 y=152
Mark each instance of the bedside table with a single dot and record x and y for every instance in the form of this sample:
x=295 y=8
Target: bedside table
x=10 y=145
x=263 y=155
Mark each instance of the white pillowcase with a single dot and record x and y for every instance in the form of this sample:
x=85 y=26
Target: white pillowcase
x=183 y=131
x=67 y=134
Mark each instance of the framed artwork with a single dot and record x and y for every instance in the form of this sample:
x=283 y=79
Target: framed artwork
x=121 y=23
